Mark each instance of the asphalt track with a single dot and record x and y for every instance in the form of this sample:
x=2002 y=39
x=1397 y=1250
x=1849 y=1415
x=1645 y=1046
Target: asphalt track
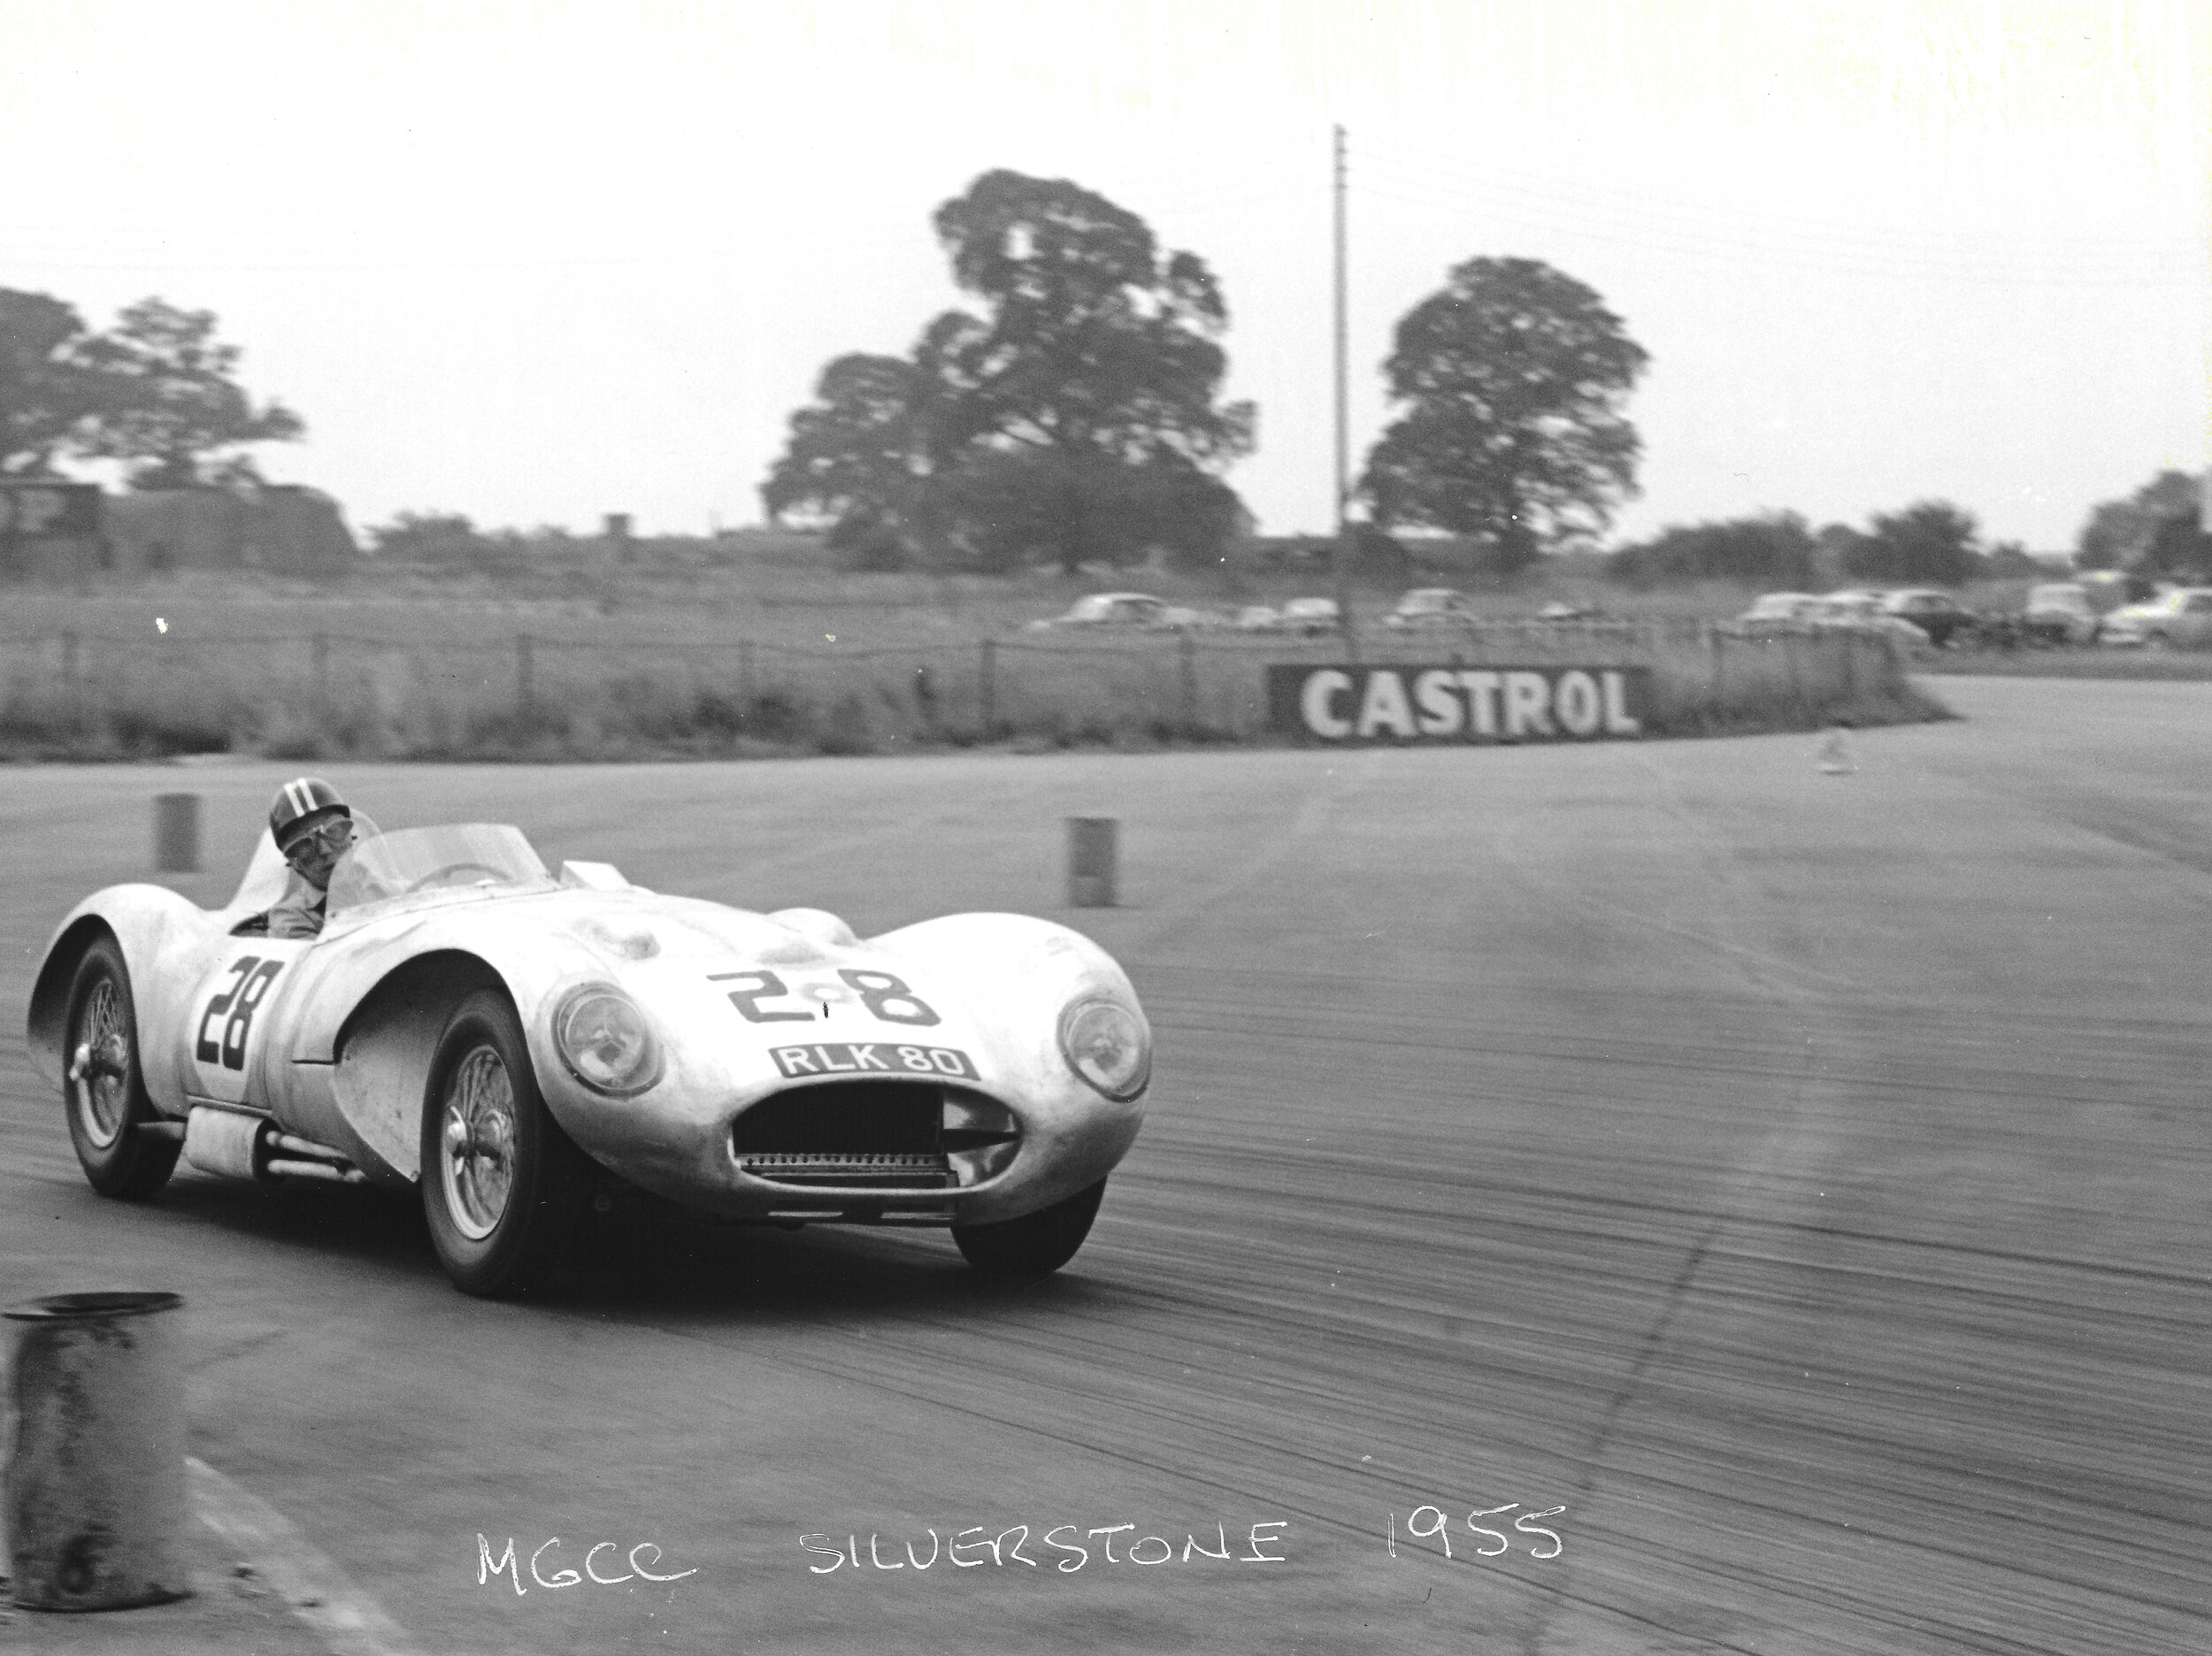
x=1802 y=1180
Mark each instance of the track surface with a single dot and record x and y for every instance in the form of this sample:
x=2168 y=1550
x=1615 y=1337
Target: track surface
x=1802 y=1180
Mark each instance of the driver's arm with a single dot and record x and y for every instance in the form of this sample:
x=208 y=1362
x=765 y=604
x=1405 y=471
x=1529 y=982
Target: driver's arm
x=299 y=912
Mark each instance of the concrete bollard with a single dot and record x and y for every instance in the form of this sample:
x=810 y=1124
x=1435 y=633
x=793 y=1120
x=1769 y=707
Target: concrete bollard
x=95 y=1473
x=176 y=833
x=1091 y=854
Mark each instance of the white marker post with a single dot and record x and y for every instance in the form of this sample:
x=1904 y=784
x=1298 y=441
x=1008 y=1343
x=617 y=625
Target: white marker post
x=176 y=833
x=95 y=1474
x=1093 y=850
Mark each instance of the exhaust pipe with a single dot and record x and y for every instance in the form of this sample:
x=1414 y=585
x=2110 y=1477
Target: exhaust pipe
x=232 y=1143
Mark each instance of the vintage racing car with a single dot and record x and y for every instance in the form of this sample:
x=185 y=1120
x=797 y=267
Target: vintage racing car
x=518 y=1044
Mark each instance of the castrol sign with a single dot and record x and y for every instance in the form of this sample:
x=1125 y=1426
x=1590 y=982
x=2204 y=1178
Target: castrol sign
x=1395 y=703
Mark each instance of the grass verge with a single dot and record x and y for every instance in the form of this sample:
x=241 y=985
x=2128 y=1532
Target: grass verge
x=431 y=685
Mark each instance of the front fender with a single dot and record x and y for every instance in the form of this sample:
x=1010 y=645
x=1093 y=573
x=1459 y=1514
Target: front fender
x=1030 y=970
x=339 y=976
x=370 y=1009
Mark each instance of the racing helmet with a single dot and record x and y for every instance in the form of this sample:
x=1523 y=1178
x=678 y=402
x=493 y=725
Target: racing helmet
x=303 y=803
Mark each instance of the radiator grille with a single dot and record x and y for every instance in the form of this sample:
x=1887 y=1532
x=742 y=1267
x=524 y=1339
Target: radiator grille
x=848 y=1135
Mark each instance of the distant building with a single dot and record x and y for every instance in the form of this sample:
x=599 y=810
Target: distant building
x=283 y=528
x=52 y=529
x=48 y=524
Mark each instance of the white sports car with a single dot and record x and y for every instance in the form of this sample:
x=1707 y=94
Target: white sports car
x=516 y=1042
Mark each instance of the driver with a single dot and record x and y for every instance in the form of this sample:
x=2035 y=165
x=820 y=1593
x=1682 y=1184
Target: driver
x=312 y=826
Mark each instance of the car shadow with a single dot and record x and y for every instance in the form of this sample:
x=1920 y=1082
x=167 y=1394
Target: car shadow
x=651 y=1259
x=367 y=1223
x=669 y=1264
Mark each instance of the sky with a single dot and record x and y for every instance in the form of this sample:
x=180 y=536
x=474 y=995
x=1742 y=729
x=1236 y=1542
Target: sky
x=539 y=263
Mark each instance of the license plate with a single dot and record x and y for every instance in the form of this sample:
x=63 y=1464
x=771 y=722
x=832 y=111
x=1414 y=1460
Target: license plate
x=872 y=1058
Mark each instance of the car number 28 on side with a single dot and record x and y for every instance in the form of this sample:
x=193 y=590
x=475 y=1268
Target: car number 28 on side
x=762 y=997
x=226 y=1012
x=228 y=1019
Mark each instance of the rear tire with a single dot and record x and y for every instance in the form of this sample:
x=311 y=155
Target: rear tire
x=105 y=1090
x=503 y=1186
x=1035 y=1245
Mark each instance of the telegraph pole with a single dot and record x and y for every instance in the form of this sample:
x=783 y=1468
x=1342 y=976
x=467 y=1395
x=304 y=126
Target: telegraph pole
x=1344 y=550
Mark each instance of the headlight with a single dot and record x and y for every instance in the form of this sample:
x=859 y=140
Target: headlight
x=1106 y=1044
x=605 y=1041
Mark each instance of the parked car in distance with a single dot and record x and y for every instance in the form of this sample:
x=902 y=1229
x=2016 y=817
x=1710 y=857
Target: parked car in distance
x=1432 y=606
x=1308 y=617
x=1257 y=617
x=1560 y=609
x=2059 y=612
x=1110 y=610
x=1867 y=612
x=1938 y=614
x=1777 y=610
x=2182 y=616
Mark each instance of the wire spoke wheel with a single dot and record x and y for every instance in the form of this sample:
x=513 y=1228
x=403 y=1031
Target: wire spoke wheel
x=478 y=1136
x=103 y=1094
x=99 y=1089
x=503 y=1185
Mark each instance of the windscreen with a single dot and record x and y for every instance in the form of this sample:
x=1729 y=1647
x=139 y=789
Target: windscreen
x=380 y=867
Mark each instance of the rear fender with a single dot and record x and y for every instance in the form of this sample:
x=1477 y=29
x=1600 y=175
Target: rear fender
x=157 y=930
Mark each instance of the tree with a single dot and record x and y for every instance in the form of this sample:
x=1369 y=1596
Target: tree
x=169 y=407
x=2179 y=551
x=1075 y=416
x=2011 y=560
x=1932 y=542
x=863 y=454
x=1835 y=546
x=47 y=393
x=2158 y=530
x=1511 y=380
x=1009 y=506
x=1776 y=550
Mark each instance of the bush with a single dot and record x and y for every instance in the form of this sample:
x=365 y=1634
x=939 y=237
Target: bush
x=862 y=541
x=1775 y=550
x=1931 y=543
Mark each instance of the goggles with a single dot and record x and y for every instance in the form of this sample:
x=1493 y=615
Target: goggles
x=334 y=835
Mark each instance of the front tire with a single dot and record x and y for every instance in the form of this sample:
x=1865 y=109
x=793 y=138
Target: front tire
x=1035 y=1245
x=104 y=1089
x=503 y=1186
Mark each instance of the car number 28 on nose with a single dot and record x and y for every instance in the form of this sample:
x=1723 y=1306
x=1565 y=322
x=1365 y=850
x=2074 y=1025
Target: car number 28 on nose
x=762 y=997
